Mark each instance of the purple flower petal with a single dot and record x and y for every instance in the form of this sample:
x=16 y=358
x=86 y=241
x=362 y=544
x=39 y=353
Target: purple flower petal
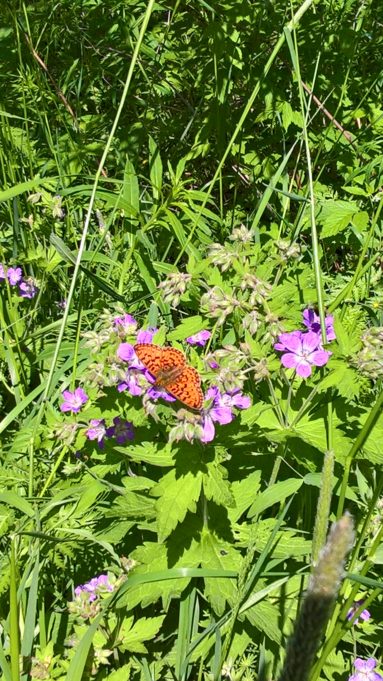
x=2 y=273
x=97 y=431
x=236 y=399
x=200 y=338
x=208 y=429
x=14 y=275
x=126 y=322
x=222 y=415
x=147 y=335
x=310 y=341
x=73 y=401
x=27 y=289
x=320 y=357
x=155 y=393
x=125 y=351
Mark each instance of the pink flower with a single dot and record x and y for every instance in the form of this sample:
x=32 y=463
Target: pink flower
x=312 y=321
x=14 y=275
x=27 y=289
x=122 y=430
x=364 y=615
x=220 y=410
x=96 y=431
x=73 y=401
x=365 y=670
x=147 y=335
x=2 y=273
x=200 y=338
x=302 y=351
x=126 y=323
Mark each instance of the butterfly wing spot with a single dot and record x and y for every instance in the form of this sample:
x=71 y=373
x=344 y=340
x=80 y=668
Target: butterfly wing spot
x=187 y=388
x=172 y=358
x=150 y=355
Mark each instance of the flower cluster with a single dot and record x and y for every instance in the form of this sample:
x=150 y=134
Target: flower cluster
x=369 y=360
x=365 y=670
x=303 y=349
x=221 y=404
x=174 y=286
x=26 y=287
x=365 y=615
x=121 y=430
x=86 y=603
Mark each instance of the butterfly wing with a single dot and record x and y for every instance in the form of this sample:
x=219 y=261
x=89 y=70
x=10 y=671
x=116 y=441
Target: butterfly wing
x=172 y=359
x=150 y=355
x=187 y=388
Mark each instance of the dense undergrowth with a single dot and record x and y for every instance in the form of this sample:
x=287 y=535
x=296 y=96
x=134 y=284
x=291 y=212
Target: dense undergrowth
x=204 y=176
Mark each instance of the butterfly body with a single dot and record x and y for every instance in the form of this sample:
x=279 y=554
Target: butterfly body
x=169 y=368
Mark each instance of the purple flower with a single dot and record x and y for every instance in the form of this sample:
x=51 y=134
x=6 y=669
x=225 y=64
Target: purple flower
x=73 y=401
x=125 y=351
x=364 y=615
x=146 y=336
x=122 y=430
x=218 y=412
x=302 y=351
x=213 y=364
x=126 y=323
x=312 y=321
x=235 y=398
x=97 y=431
x=199 y=338
x=132 y=384
x=156 y=392
x=14 y=275
x=94 y=587
x=27 y=289
x=2 y=273
x=365 y=670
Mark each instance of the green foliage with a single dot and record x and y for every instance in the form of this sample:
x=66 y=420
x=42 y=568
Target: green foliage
x=202 y=522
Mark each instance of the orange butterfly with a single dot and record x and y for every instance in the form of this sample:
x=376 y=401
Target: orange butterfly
x=168 y=366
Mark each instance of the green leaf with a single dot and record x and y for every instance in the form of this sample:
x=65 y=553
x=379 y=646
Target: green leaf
x=13 y=499
x=178 y=495
x=130 y=187
x=187 y=328
x=274 y=495
x=266 y=618
x=244 y=492
x=215 y=553
x=216 y=486
x=132 y=635
x=336 y=216
x=155 y=168
x=343 y=378
x=150 y=452
x=154 y=557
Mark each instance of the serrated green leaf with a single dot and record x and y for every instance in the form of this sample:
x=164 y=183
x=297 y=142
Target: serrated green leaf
x=244 y=492
x=132 y=635
x=153 y=557
x=150 y=452
x=177 y=496
x=344 y=378
x=336 y=216
x=266 y=618
x=216 y=486
x=187 y=328
x=219 y=554
x=274 y=495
